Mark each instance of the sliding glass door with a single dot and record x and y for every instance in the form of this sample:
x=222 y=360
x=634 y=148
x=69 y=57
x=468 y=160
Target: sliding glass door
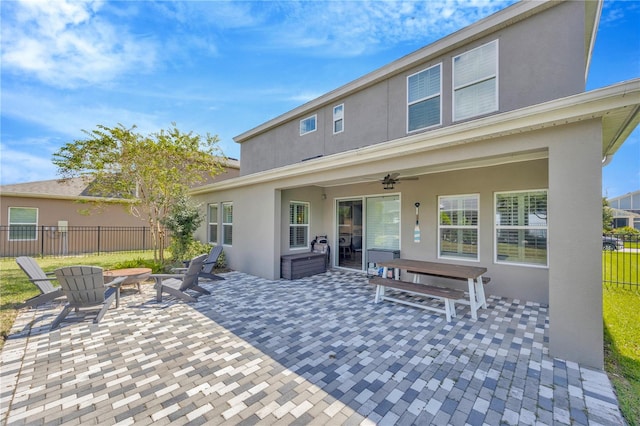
x=368 y=222
x=349 y=242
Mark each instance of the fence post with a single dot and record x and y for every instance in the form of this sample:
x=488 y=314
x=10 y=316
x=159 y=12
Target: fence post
x=98 y=239
x=41 y=240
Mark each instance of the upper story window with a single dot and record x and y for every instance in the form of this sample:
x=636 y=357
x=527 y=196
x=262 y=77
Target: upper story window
x=338 y=119
x=458 y=226
x=23 y=223
x=423 y=98
x=308 y=125
x=475 y=82
x=298 y=224
x=521 y=227
x=213 y=223
x=227 y=224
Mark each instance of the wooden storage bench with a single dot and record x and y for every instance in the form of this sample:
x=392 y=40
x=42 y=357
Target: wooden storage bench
x=294 y=266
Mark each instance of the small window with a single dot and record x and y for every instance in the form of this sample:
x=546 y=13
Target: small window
x=458 y=226
x=521 y=228
x=23 y=224
x=423 y=99
x=338 y=119
x=213 y=223
x=298 y=225
x=308 y=125
x=227 y=224
x=475 y=82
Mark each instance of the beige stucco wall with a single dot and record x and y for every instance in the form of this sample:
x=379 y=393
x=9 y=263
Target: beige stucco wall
x=572 y=282
x=50 y=211
x=575 y=228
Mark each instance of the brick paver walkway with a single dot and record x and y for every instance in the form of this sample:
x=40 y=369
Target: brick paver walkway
x=310 y=351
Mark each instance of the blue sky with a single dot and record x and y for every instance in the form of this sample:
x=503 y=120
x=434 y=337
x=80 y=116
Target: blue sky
x=225 y=67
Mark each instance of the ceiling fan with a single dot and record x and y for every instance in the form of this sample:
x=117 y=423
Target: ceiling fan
x=391 y=179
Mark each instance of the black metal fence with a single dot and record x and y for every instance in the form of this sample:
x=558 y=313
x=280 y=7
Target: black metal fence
x=72 y=240
x=620 y=261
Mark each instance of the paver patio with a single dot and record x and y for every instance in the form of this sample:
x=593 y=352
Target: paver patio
x=310 y=351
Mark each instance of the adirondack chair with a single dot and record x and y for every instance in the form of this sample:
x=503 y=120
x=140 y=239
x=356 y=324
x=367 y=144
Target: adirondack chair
x=84 y=287
x=209 y=264
x=40 y=279
x=178 y=284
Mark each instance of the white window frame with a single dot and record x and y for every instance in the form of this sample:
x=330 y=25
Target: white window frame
x=303 y=129
x=497 y=227
x=305 y=226
x=483 y=79
x=460 y=227
x=423 y=99
x=227 y=225
x=213 y=239
x=338 y=117
x=35 y=225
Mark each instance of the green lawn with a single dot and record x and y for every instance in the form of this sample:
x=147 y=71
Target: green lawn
x=622 y=348
x=621 y=304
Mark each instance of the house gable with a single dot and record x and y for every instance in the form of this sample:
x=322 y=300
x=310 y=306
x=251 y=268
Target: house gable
x=541 y=56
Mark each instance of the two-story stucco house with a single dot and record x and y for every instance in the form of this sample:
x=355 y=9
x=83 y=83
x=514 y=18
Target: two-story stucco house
x=504 y=149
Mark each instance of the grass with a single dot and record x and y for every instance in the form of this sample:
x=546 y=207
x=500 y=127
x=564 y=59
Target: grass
x=621 y=267
x=622 y=348
x=15 y=287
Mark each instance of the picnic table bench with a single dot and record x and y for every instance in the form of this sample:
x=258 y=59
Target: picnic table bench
x=448 y=295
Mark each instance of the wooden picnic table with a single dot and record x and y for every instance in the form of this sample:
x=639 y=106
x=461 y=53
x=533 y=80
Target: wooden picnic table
x=472 y=274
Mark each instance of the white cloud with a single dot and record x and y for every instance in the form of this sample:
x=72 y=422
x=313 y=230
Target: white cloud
x=354 y=28
x=66 y=43
x=20 y=166
x=69 y=115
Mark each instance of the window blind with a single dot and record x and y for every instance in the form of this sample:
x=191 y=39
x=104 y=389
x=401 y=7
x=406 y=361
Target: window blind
x=383 y=222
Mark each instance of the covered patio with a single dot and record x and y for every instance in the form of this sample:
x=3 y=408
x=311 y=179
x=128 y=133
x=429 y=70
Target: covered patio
x=311 y=351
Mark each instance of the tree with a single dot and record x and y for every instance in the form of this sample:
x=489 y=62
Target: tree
x=153 y=170
x=607 y=216
x=183 y=220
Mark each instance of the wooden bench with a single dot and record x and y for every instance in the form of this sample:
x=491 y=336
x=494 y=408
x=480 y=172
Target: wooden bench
x=485 y=280
x=448 y=295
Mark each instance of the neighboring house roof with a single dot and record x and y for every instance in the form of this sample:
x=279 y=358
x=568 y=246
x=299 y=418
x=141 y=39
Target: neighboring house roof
x=618 y=106
x=506 y=17
x=77 y=188
x=72 y=188
x=624 y=213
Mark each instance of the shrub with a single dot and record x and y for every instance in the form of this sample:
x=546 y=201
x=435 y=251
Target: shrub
x=156 y=267
x=197 y=248
x=627 y=233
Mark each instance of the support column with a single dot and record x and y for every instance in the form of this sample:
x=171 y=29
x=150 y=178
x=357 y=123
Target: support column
x=575 y=257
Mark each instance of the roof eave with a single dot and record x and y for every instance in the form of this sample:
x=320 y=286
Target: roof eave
x=68 y=197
